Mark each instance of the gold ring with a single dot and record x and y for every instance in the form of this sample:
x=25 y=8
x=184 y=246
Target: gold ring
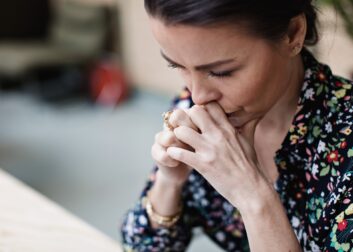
x=166 y=117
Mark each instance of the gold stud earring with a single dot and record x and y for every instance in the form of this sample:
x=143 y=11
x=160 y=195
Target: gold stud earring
x=297 y=48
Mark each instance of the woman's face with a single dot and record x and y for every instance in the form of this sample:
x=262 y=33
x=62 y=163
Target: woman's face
x=246 y=75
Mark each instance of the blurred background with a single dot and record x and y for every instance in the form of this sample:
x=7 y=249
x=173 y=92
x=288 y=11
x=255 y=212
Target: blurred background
x=82 y=90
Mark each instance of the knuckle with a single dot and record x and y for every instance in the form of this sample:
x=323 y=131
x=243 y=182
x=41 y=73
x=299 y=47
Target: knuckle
x=165 y=159
x=166 y=138
x=177 y=118
x=161 y=157
x=170 y=139
x=210 y=158
x=219 y=136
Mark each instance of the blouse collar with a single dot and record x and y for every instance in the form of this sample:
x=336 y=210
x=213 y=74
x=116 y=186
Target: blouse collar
x=294 y=152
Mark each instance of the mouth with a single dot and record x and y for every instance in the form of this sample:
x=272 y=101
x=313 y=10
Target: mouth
x=230 y=114
x=233 y=114
x=236 y=120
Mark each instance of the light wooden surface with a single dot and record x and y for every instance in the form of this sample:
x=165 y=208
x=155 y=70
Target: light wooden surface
x=29 y=222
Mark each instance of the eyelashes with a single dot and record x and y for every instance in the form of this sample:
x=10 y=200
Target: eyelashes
x=173 y=66
x=222 y=74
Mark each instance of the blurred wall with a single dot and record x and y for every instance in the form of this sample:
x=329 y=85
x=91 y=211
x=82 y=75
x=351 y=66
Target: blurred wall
x=149 y=71
x=141 y=53
x=335 y=47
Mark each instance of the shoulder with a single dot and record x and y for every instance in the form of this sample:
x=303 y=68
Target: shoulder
x=339 y=107
x=329 y=97
x=338 y=122
x=328 y=102
x=339 y=97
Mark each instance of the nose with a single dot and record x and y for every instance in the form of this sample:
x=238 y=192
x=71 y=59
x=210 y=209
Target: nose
x=202 y=92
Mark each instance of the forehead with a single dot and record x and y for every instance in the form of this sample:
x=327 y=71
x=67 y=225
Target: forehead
x=182 y=42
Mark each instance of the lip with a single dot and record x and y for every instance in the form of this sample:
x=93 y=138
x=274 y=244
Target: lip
x=233 y=114
x=236 y=119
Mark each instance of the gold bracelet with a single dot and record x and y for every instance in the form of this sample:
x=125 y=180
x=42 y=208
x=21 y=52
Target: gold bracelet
x=164 y=221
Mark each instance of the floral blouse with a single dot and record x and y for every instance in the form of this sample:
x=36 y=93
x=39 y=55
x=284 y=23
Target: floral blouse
x=315 y=184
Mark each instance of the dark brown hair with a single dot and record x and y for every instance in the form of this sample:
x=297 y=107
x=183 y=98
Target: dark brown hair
x=266 y=18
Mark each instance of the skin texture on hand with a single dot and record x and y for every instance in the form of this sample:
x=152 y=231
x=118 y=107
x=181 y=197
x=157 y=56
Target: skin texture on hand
x=227 y=160
x=169 y=168
x=165 y=195
x=223 y=156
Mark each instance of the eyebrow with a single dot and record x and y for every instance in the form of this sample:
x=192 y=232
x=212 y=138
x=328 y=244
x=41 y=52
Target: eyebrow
x=201 y=67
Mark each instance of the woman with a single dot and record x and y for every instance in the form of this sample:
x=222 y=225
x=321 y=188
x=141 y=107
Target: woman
x=258 y=150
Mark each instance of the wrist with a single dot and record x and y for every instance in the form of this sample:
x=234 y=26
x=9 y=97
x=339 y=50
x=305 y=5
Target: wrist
x=168 y=182
x=267 y=225
x=163 y=202
x=161 y=220
x=264 y=198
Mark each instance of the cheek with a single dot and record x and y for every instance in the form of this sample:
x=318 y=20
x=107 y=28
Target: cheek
x=237 y=94
x=266 y=89
x=253 y=92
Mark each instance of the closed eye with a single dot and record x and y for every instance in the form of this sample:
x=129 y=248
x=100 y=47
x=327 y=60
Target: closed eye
x=222 y=74
x=173 y=66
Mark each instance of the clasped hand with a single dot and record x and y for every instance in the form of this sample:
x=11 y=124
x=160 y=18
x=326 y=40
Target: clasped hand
x=225 y=157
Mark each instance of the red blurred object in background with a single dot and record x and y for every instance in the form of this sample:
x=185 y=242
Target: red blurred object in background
x=108 y=83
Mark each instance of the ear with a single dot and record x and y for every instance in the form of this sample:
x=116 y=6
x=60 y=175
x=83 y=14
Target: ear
x=295 y=36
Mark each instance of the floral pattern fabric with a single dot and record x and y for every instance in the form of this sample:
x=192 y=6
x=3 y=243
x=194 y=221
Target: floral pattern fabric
x=315 y=184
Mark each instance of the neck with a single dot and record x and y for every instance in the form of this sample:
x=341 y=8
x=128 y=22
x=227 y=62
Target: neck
x=280 y=116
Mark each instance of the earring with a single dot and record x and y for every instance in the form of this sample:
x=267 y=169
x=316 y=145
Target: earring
x=297 y=48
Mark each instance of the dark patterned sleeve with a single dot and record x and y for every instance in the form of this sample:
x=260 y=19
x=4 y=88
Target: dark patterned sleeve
x=137 y=233
x=340 y=235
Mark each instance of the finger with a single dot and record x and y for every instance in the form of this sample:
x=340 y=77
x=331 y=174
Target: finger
x=219 y=117
x=200 y=117
x=180 y=118
x=189 y=137
x=160 y=156
x=183 y=156
x=166 y=138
